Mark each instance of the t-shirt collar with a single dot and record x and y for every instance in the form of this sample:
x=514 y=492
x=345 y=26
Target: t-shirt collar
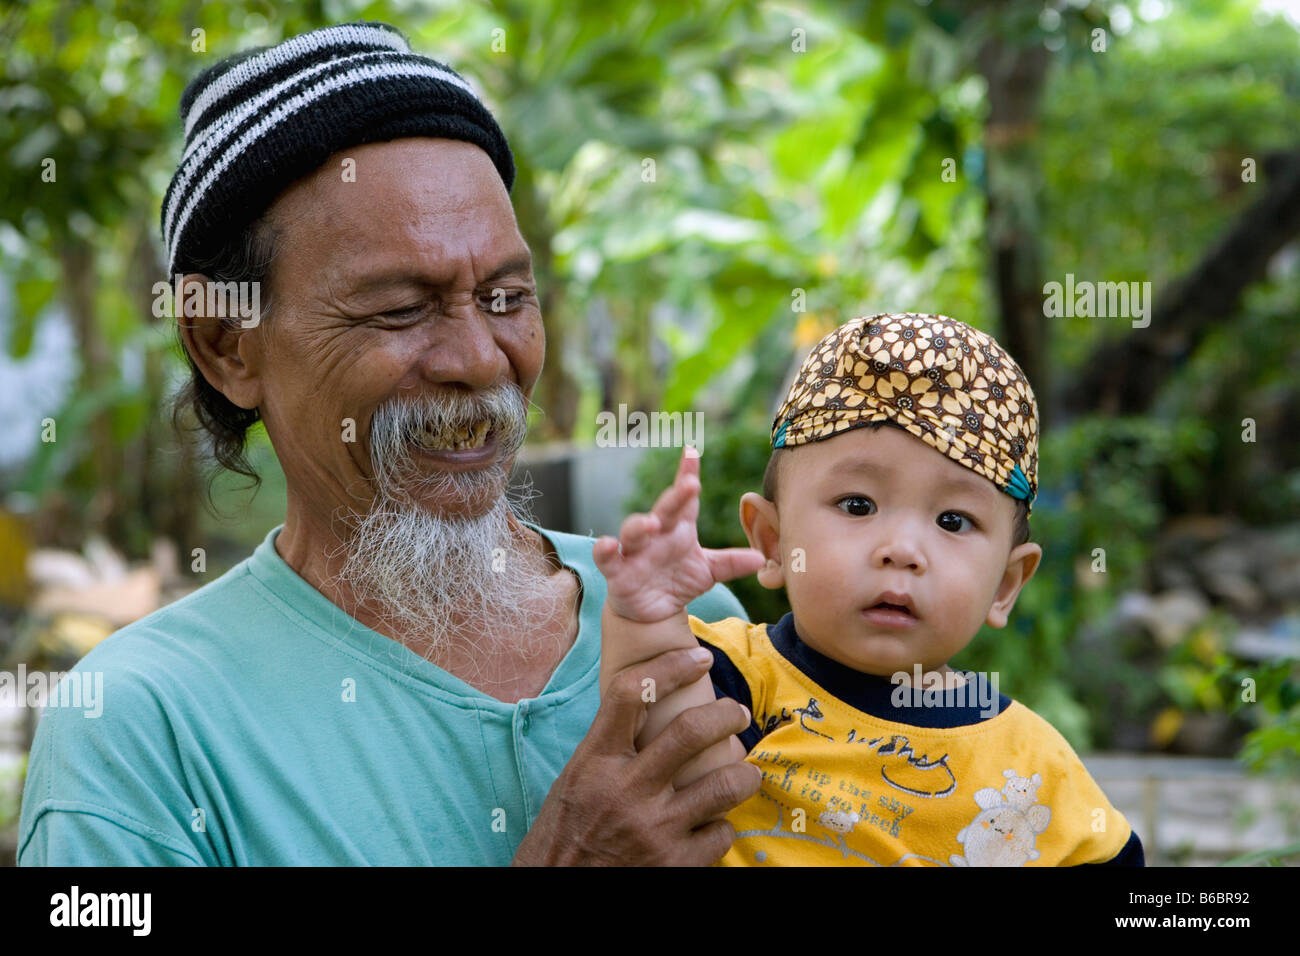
x=880 y=696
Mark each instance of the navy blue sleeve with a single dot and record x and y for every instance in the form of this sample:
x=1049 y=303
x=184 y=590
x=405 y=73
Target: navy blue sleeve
x=717 y=604
x=1131 y=855
x=729 y=682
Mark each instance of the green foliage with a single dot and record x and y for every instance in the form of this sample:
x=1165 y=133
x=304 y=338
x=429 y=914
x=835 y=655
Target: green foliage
x=11 y=792
x=1098 y=489
x=1142 y=147
x=1274 y=744
x=1243 y=372
x=1273 y=857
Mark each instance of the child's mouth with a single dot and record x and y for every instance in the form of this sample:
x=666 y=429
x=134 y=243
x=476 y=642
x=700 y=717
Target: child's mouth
x=885 y=614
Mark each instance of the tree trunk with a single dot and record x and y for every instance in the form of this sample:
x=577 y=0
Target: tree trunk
x=556 y=393
x=96 y=475
x=1015 y=76
x=171 y=486
x=1124 y=375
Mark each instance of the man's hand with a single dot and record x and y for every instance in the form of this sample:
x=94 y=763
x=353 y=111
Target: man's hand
x=656 y=566
x=612 y=806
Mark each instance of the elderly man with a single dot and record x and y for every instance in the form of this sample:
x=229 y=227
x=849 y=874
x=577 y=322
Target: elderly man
x=405 y=672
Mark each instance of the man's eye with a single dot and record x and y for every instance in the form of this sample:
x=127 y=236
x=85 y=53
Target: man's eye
x=502 y=300
x=407 y=313
x=856 y=505
x=952 y=521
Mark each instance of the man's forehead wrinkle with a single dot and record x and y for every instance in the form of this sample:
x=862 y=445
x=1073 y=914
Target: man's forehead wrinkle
x=328 y=283
x=317 y=200
x=520 y=264
x=379 y=271
x=435 y=265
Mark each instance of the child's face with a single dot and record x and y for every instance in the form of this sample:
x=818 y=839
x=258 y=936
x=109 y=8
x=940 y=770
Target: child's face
x=881 y=516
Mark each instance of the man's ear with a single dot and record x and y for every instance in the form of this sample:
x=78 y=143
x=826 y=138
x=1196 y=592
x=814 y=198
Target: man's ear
x=228 y=357
x=762 y=526
x=1022 y=562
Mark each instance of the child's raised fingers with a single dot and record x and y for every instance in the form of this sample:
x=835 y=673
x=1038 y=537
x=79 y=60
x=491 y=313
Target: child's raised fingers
x=675 y=504
x=728 y=563
x=689 y=463
x=604 y=551
x=688 y=466
x=680 y=502
x=636 y=530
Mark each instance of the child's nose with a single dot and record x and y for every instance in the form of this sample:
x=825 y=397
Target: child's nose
x=899 y=550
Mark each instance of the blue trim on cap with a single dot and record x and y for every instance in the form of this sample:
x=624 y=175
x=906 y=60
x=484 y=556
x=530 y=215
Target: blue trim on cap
x=1018 y=487
x=779 y=440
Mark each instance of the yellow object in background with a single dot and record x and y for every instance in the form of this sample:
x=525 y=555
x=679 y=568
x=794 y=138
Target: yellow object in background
x=15 y=589
x=1166 y=725
x=74 y=635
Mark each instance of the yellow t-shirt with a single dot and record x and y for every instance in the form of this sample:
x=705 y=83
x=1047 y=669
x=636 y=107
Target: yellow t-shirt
x=858 y=771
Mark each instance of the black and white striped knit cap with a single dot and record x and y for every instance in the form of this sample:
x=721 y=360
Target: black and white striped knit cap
x=261 y=119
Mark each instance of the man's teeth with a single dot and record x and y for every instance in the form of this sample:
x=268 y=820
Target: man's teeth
x=454 y=439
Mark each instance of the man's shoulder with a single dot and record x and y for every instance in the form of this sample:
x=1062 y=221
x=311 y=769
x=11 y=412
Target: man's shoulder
x=181 y=636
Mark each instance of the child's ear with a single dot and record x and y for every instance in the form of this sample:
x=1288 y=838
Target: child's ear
x=763 y=529
x=1022 y=562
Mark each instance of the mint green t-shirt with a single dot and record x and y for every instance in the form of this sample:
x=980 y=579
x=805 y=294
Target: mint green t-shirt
x=255 y=723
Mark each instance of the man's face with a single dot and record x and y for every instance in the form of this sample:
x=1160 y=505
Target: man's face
x=411 y=283
x=882 y=517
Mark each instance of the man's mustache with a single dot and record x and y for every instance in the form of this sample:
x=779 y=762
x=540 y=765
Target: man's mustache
x=396 y=423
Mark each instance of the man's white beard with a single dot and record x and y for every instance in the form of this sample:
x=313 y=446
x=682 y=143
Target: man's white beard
x=463 y=584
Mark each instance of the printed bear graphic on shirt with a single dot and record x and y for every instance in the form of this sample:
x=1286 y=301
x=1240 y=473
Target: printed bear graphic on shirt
x=1003 y=833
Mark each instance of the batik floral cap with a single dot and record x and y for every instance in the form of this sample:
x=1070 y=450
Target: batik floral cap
x=948 y=384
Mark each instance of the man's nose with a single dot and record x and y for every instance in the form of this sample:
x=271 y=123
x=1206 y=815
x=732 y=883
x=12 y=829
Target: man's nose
x=899 y=548
x=466 y=350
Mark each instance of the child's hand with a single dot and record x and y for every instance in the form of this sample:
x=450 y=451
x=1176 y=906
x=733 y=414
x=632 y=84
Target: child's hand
x=656 y=566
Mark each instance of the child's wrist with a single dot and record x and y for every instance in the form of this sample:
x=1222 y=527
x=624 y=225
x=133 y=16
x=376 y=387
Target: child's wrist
x=628 y=641
x=625 y=612
x=630 y=619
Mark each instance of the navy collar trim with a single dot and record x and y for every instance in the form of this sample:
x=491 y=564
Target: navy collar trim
x=875 y=695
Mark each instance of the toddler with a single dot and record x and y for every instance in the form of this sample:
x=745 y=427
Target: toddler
x=895 y=513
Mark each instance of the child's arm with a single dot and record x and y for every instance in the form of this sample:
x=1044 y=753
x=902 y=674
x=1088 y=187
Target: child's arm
x=653 y=570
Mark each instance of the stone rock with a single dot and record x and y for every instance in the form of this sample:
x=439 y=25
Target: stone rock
x=48 y=567
x=1237 y=592
x=1168 y=616
x=118 y=602
x=1281 y=581
x=1278 y=639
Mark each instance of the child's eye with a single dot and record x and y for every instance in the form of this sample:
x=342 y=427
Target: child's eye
x=952 y=521
x=856 y=505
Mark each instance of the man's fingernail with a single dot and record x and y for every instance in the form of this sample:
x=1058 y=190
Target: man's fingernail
x=692 y=451
x=702 y=654
x=748 y=716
